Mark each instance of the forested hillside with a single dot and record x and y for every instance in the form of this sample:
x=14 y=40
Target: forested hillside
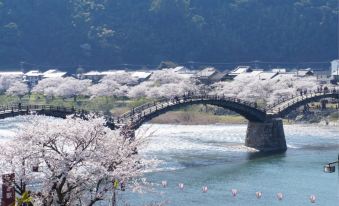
x=108 y=32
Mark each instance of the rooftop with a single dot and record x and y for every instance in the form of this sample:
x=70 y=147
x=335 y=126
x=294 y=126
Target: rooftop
x=241 y=69
x=34 y=73
x=267 y=75
x=141 y=75
x=53 y=73
x=209 y=71
x=93 y=73
x=113 y=72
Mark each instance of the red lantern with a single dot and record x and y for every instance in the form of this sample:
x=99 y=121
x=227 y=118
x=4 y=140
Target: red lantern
x=312 y=198
x=181 y=186
x=164 y=183
x=234 y=192
x=280 y=196
x=204 y=189
x=258 y=195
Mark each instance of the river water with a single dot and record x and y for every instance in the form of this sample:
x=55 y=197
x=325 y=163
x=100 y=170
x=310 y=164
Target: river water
x=214 y=156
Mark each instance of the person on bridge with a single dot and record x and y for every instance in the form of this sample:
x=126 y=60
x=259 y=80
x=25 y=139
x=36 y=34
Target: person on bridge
x=325 y=89
x=301 y=92
x=19 y=105
x=176 y=98
x=184 y=97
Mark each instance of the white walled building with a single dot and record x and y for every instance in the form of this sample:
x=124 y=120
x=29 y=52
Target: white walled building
x=335 y=69
x=95 y=76
x=32 y=77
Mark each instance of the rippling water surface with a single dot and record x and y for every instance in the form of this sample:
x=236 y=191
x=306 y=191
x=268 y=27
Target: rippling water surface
x=214 y=156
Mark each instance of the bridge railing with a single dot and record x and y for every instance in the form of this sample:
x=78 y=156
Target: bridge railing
x=27 y=108
x=298 y=98
x=145 y=109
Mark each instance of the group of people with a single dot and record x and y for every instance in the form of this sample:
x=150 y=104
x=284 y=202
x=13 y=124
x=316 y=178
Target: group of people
x=185 y=96
x=320 y=89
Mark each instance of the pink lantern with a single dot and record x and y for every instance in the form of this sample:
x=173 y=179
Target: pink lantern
x=258 y=195
x=234 y=192
x=280 y=196
x=164 y=183
x=181 y=186
x=204 y=189
x=312 y=198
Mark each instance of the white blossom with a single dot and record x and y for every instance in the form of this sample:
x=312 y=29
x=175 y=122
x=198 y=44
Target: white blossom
x=48 y=86
x=109 y=86
x=71 y=87
x=5 y=82
x=76 y=159
x=17 y=88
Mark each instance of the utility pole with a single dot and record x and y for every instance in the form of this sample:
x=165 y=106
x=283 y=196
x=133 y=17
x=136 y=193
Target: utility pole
x=22 y=66
x=256 y=64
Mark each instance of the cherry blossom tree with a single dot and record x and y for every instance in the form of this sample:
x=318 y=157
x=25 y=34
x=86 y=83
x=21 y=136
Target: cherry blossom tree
x=164 y=83
x=71 y=87
x=122 y=78
x=140 y=90
x=5 y=82
x=48 y=86
x=17 y=88
x=165 y=77
x=109 y=86
x=268 y=91
x=71 y=161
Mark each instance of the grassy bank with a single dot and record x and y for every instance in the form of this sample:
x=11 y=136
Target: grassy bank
x=197 y=118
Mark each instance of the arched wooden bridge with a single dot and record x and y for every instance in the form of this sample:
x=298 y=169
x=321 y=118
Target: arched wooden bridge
x=265 y=129
x=139 y=115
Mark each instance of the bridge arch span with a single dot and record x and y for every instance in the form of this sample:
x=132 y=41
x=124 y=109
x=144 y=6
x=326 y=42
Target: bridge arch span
x=282 y=109
x=137 y=116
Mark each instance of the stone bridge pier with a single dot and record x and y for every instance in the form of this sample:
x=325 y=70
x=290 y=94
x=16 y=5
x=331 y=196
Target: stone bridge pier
x=266 y=136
